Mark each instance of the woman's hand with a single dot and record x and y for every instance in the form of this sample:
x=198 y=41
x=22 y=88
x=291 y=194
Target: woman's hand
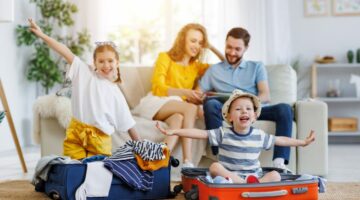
x=310 y=138
x=216 y=52
x=163 y=131
x=35 y=28
x=193 y=96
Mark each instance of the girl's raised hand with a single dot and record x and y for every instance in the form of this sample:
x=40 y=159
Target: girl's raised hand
x=35 y=28
x=163 y=131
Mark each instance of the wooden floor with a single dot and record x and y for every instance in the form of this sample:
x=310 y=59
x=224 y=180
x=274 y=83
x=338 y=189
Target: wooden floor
x=344 y=162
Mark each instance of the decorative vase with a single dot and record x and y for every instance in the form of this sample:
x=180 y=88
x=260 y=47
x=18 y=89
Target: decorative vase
x=350 y=56
x=358 y=55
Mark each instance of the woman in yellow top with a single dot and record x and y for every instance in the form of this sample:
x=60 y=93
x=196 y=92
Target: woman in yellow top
x=173 y=98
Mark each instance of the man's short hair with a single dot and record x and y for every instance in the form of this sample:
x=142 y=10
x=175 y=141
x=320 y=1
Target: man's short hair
x=239 y=33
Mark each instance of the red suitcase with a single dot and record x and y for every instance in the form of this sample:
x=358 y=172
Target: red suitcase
x=195 y=186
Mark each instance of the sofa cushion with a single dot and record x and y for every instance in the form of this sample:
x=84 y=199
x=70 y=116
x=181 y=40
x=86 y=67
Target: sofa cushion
x=137 y=83
x=282 y=83
x=131 y=85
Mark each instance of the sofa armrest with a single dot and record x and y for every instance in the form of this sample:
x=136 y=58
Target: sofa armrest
x=312 y=115
x=52 y=135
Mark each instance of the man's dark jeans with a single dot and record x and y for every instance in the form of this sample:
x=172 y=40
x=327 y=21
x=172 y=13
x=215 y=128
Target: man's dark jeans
x=281 y=114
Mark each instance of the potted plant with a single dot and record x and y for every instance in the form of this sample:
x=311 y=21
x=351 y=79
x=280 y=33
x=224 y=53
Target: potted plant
x=44 y=67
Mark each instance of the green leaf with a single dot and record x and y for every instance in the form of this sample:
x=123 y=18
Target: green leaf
x=43 y=66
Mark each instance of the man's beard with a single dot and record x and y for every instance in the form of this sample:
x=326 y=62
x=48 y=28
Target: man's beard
x=232 y=63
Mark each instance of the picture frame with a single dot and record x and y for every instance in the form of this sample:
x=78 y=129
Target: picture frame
x=345 y=7
x=315 y=8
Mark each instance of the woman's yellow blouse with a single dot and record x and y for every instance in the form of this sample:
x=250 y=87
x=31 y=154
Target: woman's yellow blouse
x=169 y=74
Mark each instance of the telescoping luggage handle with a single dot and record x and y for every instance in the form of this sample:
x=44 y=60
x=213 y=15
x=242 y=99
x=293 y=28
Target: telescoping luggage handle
x=277 y=193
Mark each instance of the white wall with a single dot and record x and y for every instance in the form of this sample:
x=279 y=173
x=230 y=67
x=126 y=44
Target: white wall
x=320 y=36
x=311 y=36
x=20 y=92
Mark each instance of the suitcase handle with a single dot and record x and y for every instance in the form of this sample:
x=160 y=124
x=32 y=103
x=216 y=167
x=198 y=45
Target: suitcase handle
x=277 y=193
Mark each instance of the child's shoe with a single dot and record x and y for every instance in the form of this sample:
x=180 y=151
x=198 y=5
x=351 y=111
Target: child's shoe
x=187 y=165
x=252 y=179
x=283 y=167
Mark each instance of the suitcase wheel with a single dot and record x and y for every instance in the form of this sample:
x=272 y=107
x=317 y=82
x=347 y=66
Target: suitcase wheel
x=176 y=191
x=174 y=162
x=54 y=195
x=192 y=194
x=178 y=188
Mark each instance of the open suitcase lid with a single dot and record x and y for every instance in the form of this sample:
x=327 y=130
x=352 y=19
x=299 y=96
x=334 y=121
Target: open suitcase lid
x=286 y=176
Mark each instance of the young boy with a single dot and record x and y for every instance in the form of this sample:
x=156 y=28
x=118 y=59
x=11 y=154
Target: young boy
x=240 y=144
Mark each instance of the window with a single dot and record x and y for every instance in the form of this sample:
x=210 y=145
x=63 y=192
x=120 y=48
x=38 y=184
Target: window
x=141 y=29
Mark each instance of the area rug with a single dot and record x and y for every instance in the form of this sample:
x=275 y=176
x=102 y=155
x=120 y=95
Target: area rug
x=18 y=190
x=22 y=189
x=337 y=191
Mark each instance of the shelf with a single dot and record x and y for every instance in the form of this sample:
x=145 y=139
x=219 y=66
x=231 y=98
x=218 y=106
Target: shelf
x=344 y=133
x=339 y=99
x=339 y=65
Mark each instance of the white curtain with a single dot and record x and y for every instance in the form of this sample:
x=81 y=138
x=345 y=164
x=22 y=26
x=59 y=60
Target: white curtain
x=90 y=16
x=267 y=21
x=278 y=40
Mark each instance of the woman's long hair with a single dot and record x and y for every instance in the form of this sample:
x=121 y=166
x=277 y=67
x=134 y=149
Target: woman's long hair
x=177 y=51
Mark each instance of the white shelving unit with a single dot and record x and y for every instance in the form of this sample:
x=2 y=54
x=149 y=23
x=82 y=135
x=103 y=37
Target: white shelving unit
x=347 y=104
x=339 y=99
x=343 y=133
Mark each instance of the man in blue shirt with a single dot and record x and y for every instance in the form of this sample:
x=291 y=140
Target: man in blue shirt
x=248 y=76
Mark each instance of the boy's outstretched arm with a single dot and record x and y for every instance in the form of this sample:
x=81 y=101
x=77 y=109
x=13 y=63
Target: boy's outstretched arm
x=189 y=133
x=285 y=141
x=63 y=50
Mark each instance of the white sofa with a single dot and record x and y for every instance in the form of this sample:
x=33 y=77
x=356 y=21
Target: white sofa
x=309 y=115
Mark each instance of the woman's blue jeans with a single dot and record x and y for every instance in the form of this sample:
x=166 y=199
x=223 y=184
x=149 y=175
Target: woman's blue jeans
x=281 y=114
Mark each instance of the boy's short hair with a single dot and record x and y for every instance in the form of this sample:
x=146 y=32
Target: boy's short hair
x=235 y=95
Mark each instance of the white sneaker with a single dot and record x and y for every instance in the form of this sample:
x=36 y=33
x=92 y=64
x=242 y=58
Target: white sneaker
x=188 y=165
x=283 y=167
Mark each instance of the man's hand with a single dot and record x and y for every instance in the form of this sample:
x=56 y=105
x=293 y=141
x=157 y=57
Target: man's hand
x=163 y=131
x=310 y=138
